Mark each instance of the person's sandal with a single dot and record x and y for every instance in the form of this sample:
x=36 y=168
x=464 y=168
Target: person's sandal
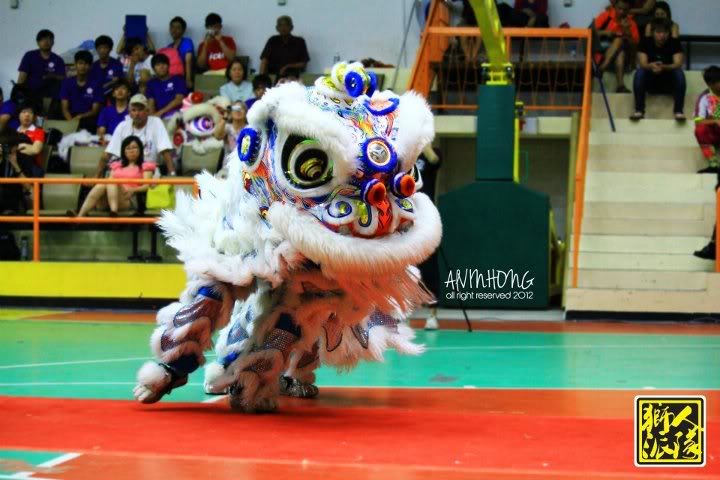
x=680 y=117
x=622 y=89
x=637 y=116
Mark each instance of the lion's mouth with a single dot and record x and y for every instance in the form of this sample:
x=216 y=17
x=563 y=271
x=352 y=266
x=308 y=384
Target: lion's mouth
x=353 y=217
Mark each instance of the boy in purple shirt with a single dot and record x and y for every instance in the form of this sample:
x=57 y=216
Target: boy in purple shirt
x=42 y=71
x=106 y=71
x=79 y=96
x=112 y=115
x=165 y=93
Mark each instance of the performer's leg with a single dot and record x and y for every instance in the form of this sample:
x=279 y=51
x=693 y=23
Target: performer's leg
x=298 y=380
x=184 y=332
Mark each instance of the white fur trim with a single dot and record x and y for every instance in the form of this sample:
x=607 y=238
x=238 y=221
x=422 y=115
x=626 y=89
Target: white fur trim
x=153 y=376
x=416 y=128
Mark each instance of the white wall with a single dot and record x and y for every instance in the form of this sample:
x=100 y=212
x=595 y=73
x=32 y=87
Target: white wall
x=367 y=28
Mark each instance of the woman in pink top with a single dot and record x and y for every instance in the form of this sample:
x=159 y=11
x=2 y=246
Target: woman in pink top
x=120 y=197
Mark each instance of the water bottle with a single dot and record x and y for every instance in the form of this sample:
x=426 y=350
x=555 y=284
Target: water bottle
x=40 y=121
x=336 y=58
x=24 y=248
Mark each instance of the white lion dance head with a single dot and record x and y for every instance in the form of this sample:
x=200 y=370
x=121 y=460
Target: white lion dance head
x=305 y=254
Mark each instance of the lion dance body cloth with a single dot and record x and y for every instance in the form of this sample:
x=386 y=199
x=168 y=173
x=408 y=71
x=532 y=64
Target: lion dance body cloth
x=306 y=254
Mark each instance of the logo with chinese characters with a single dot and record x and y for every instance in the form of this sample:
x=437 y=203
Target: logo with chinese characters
x=669 y=431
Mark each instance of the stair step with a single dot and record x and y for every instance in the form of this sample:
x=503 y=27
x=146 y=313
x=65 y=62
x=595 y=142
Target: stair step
x=635 y=140
x=628 y=244
x=650 y=211
x=642 y=280
x=653 y=227
x=643 y=261
x=646 y=165
x=646 y=126
x=614 y=300
x=622 y=106
x=650 y=187
x=645 y=153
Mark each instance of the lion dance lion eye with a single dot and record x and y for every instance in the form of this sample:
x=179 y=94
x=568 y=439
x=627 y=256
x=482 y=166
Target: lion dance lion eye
x=305 y=163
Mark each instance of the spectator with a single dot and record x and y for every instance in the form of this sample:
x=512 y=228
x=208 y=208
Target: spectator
x=13 y=164
x=120 y=197
x=215 y=50
x=660 y=70
x=707 y=120
x=8 y=114
x=35 y=134
x=237 y=88
x=184 y=46
x=284 y=51
x=260 y=85
x=80 y=97
x=662 y=10
x=642 y=11
x=151 y=132
x=617 y=25
x=229 y=126
x=165 y=93
x=106 y=70
x=111 y=116
x=139 y=64
x=707 y=131
x=288 y=76
x=527 y=13
x=42 y=71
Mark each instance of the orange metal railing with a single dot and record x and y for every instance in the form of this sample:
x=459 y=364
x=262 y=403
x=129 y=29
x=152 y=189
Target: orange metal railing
x=36 y=219
x=717 y=231
x=542 y=70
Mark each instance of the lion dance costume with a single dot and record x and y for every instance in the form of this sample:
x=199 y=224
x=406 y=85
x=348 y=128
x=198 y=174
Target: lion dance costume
x=306 y=254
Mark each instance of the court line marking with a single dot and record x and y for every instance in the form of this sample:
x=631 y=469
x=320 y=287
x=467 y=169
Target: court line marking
x=53 y=462
x=432 y=349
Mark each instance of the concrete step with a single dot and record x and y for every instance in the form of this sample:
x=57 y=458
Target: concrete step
x=691 y=153
x=642 y=280
x=650 y=211
x=646 y=165
x=659 y=138
x=659 y=301
x=685 y=262
x=693 y=79
x=627 y=244
x=648 y=125
x=622 y=105
x=651 y=227
x=650 y=187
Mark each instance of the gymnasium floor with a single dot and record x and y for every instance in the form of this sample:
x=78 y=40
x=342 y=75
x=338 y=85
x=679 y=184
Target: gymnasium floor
x=513 y=400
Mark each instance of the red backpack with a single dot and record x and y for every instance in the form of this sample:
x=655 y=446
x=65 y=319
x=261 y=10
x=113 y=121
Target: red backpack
x=177 y=67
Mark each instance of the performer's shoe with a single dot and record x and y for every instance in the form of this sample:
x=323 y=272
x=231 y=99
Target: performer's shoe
x=156 y=380
x=431 y=323
x=707 y=252
x=292 y=387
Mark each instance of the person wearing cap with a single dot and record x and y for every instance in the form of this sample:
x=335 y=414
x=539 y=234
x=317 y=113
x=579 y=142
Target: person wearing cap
x=284 y=51
x=149 y=129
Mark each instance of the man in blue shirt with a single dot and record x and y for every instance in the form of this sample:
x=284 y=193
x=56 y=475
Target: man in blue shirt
x=80 y=97
x=184 y=46
x=165 y=93
x=41 y=71
x=106 y=71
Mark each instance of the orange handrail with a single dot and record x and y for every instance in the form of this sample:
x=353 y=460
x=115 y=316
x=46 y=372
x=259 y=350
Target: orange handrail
x=581 y=165
x=717 y=231
x=36 y=219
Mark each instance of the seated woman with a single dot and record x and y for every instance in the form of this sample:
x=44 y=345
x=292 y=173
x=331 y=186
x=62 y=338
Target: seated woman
x=238 y=87
x=36 y=135
x=120 y=197
x=662 y=10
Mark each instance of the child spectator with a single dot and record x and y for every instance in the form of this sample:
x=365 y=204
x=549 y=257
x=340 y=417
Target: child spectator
x=284 y=51
x=132 y=165
x=80 y=97
x=660 y=70
x=707 y=120
x=42 y=71
x=618 y=26
x=184 y=46
x=260 y=85
x=215 y=50
x=288 y=76
x=229 y=126
x=106 y=70
x=662 y=10
x=35 y=134
x=165 y=93
x=139 y=64
x=111 y=116
x=150 y=130
x=237 y=88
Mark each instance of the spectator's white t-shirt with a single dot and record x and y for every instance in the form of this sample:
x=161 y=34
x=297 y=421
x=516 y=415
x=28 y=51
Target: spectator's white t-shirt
x=153 y=136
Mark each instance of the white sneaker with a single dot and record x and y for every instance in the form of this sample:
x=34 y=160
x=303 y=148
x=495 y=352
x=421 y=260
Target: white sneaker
x=431 y=323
